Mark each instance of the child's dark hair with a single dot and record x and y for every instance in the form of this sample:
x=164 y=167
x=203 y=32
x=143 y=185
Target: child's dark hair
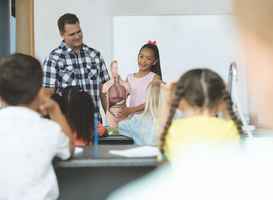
x=79 y=112
x=21 y=78
x=59 y=99
x=155 y=68
x=201 y=88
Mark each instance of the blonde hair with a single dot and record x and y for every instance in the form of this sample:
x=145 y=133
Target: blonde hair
x=152 y=111
x=256 y=16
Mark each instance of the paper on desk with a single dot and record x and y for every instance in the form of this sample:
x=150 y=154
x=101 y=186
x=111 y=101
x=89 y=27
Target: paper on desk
x=110 y=132
x=144 y=151
x=78 y=150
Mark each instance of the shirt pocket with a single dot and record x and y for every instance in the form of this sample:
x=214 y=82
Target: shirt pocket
x=66 y=73
x=93 y=71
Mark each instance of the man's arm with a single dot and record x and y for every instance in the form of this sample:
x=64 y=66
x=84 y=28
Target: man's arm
x=49 y=76
x=103 y=99
x=49 y=91
x=104 y=77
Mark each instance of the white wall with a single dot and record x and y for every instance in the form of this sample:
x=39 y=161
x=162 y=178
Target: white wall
x=185 y=42
x=96 y=20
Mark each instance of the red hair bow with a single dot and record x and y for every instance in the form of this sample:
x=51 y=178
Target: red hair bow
x=150 y=42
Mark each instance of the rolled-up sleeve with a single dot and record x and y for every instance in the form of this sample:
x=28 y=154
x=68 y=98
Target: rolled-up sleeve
x=49 y=73
x=104 y=75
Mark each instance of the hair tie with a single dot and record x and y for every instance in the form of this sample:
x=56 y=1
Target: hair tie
x=163 y=155
x=80 y=90
x=150 y=42
x=60 y=93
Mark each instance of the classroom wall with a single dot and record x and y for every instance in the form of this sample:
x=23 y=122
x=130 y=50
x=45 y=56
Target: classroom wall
x=46 y=14
x=96 y=19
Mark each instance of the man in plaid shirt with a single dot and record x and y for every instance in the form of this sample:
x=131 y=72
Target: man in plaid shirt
x=74 y=63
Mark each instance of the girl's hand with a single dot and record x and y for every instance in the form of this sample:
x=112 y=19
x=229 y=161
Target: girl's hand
x=47 y=106
x=123 y=112
x=169 y=90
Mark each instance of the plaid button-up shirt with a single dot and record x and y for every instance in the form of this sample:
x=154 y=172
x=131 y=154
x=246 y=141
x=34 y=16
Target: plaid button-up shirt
x=63 y=67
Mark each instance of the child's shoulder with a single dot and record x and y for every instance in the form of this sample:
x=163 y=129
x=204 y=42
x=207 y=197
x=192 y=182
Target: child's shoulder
x=200 y=120
x=135 y=77
x=201 y=124
x=130 y=75
x=25 y=119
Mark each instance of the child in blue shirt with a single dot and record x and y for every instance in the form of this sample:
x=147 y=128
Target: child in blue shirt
x=143 y=128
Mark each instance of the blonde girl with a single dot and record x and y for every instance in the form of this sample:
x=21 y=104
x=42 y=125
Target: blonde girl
x=143 y=128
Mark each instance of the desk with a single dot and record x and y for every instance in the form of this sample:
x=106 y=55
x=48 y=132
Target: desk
x=262 y=138
x=87 y=177
x=115 y=138
x=259 y=132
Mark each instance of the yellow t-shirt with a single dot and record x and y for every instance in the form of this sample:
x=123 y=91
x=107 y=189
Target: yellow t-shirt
x=187 y=131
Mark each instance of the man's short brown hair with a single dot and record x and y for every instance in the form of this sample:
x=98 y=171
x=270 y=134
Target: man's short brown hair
x=67 y=18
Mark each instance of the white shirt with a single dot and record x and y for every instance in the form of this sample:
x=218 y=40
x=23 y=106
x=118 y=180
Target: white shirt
x=28 y=145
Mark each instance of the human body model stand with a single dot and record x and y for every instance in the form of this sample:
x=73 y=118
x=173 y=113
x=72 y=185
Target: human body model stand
x=116 y=91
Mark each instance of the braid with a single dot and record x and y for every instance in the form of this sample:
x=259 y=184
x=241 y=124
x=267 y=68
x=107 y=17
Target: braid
x=179 y=94
x=231 y=113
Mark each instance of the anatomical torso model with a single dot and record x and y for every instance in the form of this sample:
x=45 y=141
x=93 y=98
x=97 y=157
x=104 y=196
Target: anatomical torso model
x=116 y=91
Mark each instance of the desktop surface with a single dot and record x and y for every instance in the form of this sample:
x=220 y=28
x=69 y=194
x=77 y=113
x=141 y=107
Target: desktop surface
x=87 y=177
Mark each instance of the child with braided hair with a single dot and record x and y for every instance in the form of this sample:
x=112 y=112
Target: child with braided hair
x=199 y=94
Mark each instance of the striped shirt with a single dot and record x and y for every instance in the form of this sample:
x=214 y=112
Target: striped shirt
x=138 y=90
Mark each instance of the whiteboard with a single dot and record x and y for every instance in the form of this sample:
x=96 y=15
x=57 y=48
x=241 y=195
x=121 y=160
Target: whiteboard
x=185 y=42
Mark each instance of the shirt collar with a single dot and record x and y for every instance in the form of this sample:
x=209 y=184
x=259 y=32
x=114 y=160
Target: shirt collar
x=66 y=49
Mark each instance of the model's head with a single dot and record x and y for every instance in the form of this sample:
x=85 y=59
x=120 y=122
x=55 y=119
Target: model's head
x=114 y=68
x=21 y=79
x=148 y=57
x=255 y=19
x=70 y=30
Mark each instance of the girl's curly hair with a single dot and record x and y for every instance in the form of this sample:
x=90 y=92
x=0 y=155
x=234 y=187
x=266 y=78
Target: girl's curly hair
x=79 y=112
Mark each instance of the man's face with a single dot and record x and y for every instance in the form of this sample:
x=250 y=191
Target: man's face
x=72 y=36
